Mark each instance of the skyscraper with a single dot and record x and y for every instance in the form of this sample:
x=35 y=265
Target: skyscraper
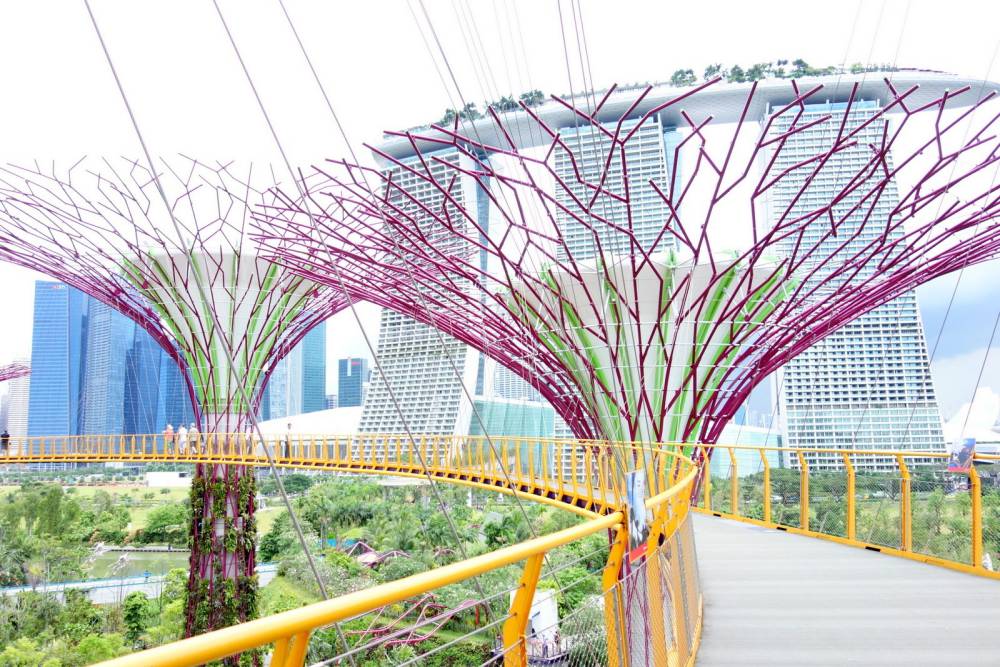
x=16 y=405
x=110 y=338
x=298 y=382
x=869 y=384
x=142 y=384
x=420 y=364
x=352 y=376
x=58 y=345
x=649 y=158
x=314 y=369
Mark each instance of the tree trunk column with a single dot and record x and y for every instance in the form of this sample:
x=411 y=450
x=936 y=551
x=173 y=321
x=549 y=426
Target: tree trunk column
x=222 y=583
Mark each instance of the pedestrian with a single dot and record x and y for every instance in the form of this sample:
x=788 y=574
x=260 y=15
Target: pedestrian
x=4 y=442
x=288 y=439
x=182 y=437
x=168 y=438
x=193 y=437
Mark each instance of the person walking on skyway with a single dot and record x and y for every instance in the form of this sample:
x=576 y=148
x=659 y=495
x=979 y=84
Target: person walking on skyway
x=168 y=438
x=4 y=442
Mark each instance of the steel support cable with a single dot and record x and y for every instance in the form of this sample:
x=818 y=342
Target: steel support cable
x=300 y=186
x=968 y=255
x=439 y=336
x=475 y=411
x=476 y=42
x=622 y=467
x=203 y=295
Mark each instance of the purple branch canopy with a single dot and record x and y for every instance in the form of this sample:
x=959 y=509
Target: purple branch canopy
x=101 y=227
x=14 y=370
x=535 y=244
x=200 y=288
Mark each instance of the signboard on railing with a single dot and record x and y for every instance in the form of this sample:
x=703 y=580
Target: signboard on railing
x=960 y=454
x=638 y=515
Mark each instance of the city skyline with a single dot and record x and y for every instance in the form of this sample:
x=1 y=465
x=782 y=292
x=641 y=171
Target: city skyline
x=228 y=127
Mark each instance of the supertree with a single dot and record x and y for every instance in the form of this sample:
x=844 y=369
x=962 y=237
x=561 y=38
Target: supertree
x=12 y=371
x=762 y=244
x=224 y=314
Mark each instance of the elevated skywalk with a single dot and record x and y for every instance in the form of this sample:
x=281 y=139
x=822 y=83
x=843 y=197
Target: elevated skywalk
x=773 y=593
x=776 y=598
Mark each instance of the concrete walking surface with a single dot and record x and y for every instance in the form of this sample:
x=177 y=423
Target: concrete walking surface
x=773 y=598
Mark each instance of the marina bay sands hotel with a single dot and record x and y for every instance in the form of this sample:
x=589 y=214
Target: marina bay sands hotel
x=867 y=386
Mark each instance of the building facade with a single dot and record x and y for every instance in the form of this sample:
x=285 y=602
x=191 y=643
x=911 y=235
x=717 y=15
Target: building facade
x=353 y=375
x=420 y=385
x=298 y=383
x=58 y=347
x=867 y=385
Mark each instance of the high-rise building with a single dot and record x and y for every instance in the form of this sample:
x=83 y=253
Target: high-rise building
x=58 y=346
x=331 y=401
x=649 y=158
x=424 y=371
x=868 y=385
x=110 y=338
x=143 y=361
x=314 y=369
x=16 y=406
x=298 y=382
x=173 y=405
x=352 y=376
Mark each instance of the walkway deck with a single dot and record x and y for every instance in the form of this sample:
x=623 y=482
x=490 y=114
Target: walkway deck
x=772 y=598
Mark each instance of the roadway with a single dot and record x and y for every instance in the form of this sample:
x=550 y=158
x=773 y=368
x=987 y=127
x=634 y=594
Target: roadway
x=774 y=598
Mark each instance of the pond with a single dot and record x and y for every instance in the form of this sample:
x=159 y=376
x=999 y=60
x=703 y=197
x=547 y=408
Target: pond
x=135 y=564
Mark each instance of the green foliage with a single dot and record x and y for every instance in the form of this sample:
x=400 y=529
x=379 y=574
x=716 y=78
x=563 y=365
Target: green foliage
x=167 y=524
x=683 y=77
x=136 y=612
x=97 y=648
x=532 y=98
x=399 y=568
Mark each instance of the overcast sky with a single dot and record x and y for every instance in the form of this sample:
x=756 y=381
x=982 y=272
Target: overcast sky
x=190 y=95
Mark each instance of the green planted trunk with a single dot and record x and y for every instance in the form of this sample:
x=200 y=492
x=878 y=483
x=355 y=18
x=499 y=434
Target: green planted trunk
x=222 y=583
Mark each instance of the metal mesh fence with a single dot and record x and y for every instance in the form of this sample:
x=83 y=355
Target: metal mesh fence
x=942 y=516
x=878 y=504
x=828 y=503
x=751 y=500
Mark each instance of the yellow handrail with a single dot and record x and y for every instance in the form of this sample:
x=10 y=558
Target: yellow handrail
x=221 y=643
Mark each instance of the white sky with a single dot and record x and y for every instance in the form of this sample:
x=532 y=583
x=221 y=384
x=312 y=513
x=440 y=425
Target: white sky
x=59 y=101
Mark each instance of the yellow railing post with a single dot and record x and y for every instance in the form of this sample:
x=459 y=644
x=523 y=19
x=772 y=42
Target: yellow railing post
x=905 y=509
x=706 y=471
x=614 y=619
x=297 y=655
x=734 y=483
x=515 y=643
x=803 y=492
x=767 y=485
x=852 y=525
x=976 y=495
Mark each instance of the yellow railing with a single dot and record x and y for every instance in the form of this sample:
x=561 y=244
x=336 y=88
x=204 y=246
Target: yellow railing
x=899 y=503
x=582 y=476
x=902 y=503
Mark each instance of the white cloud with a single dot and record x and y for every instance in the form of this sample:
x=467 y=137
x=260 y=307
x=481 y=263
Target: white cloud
x=955 y=377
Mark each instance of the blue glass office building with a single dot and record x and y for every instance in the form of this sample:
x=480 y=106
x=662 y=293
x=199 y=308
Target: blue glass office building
x=352 y=374
x=298 y=382
x=97 y=371
x=58 y=351
x=314 y=369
